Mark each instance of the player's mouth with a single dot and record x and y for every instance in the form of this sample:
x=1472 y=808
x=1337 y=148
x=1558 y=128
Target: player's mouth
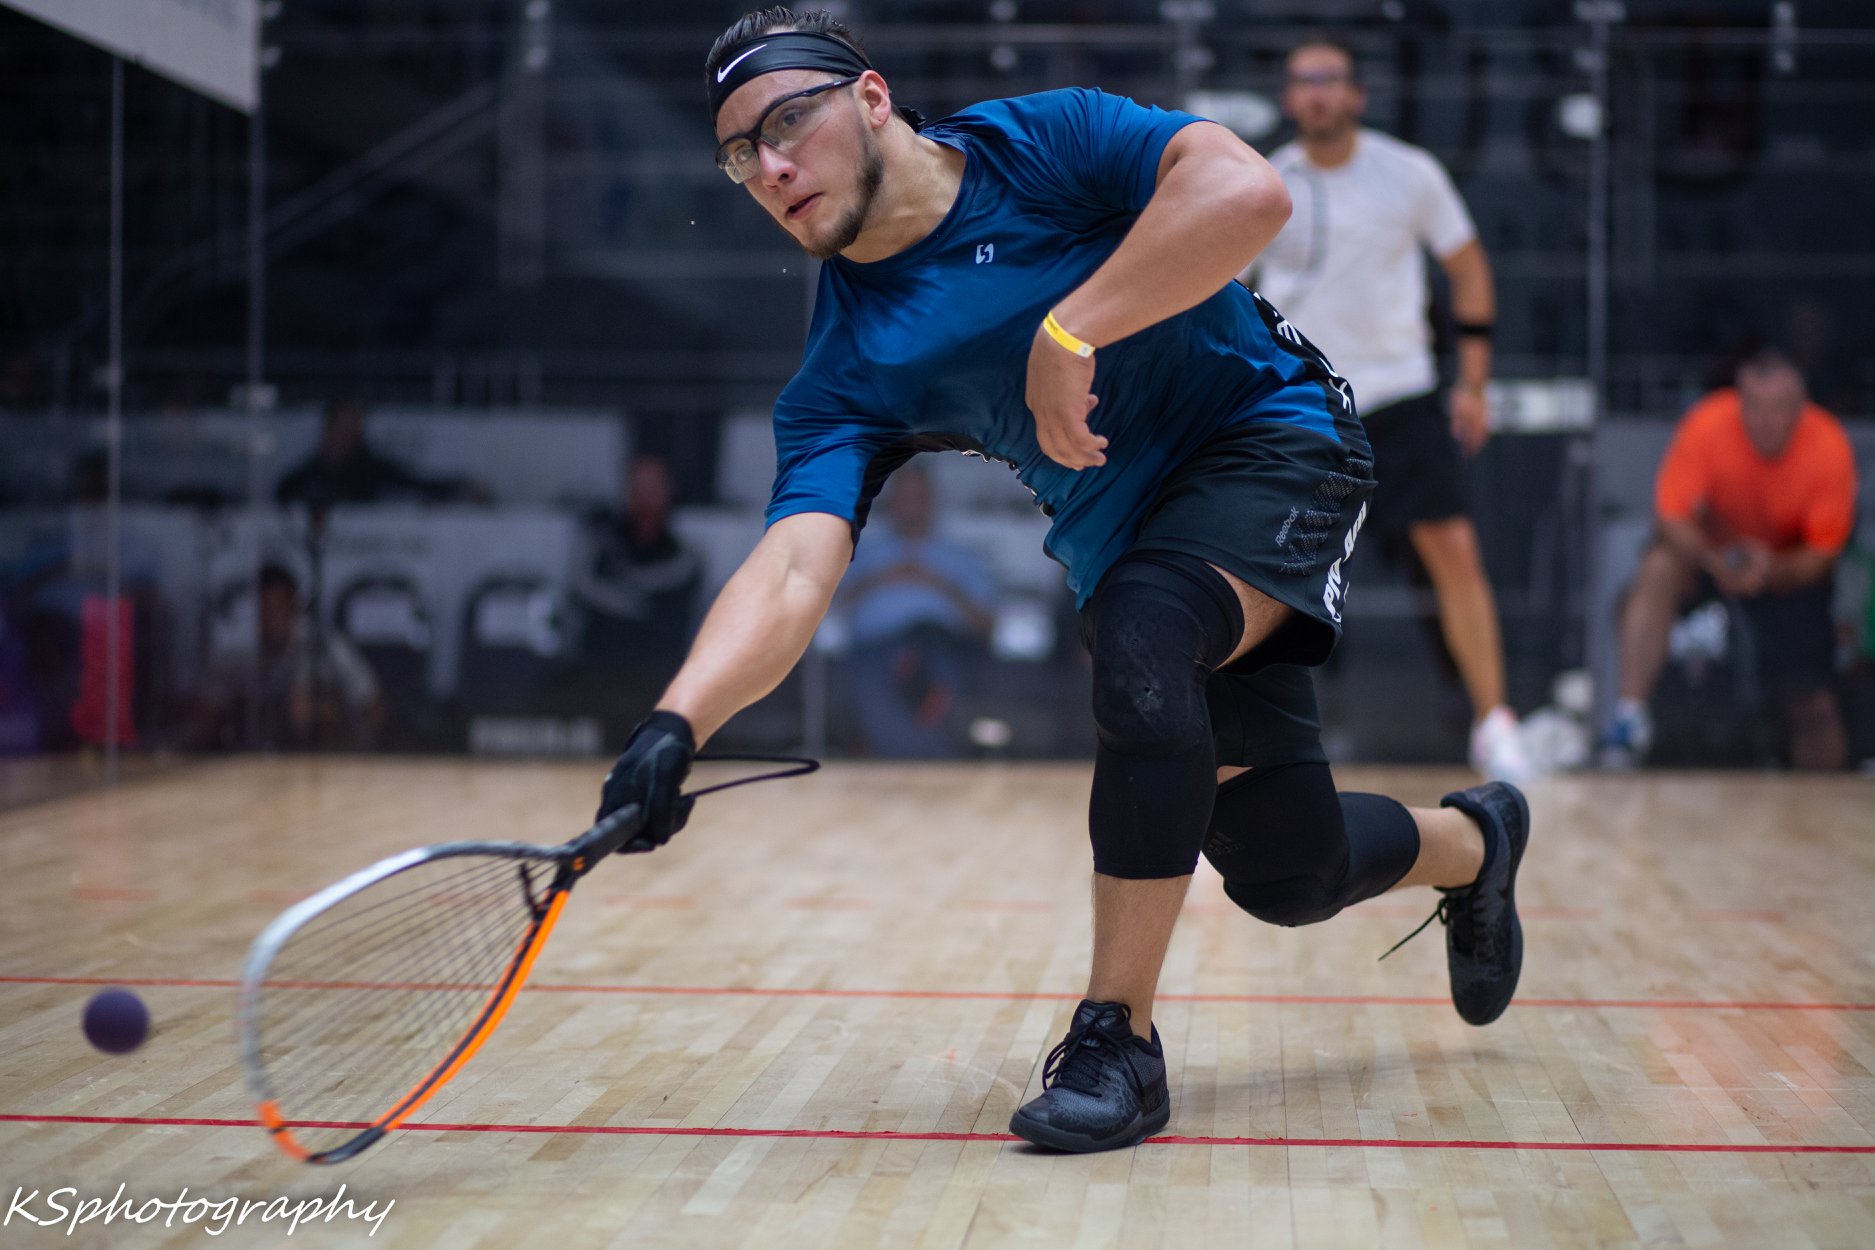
x=802 y=208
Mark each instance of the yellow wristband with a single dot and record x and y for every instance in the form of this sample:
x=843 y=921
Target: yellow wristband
x=1061 y=336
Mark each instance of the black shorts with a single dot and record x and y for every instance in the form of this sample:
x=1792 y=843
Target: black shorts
x=1279 y=506
x=1420 y=466
x=1793 y=636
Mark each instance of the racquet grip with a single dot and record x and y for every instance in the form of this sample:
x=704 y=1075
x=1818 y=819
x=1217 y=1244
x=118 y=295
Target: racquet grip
x=609 y=834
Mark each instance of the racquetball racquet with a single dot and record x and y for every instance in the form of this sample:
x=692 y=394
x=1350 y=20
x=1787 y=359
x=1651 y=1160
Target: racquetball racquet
x=359 y=1003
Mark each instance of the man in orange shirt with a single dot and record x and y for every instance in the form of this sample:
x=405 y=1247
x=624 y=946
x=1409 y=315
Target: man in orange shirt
x=1755 y=499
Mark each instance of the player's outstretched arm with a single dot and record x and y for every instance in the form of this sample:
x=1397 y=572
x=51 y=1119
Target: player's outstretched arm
x=755 y=631
x=762 y=621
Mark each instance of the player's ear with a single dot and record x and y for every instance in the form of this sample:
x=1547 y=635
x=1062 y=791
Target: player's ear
x=875 y=99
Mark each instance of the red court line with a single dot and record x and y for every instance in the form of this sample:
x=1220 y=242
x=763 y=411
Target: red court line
x=758 y=991
x=1371 y=910
x=653 y=1130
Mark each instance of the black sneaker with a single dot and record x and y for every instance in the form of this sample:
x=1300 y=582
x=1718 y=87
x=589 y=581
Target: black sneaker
x=1105 y=1088
x=1483 y=937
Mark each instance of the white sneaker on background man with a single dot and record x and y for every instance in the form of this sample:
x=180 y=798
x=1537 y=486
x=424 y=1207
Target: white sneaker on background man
x=1497 y=749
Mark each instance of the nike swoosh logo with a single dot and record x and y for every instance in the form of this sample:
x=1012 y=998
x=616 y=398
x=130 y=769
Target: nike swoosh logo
x=724 y=71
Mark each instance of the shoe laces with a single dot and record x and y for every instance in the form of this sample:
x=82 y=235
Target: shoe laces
x=1454 y=911
x=1441 y=913
x=1073 y=1063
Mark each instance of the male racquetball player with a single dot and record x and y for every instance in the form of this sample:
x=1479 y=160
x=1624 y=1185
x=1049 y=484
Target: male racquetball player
x=1048 y=281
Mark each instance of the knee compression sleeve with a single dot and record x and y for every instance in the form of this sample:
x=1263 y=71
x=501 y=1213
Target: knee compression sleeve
x=1294 y=852
x=1158 y=626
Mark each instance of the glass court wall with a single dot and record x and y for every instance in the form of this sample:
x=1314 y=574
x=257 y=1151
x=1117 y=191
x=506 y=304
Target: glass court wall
x=520 y=338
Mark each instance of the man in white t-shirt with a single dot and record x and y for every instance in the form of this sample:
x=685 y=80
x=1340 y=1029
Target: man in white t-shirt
x=1349 y=271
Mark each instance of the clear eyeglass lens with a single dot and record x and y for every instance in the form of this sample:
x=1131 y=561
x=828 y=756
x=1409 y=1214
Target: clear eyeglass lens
x=792 y=121
x=741 y=162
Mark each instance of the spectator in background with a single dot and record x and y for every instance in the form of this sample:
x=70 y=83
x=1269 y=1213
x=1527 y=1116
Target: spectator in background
x=345 y=470
x=919 y=608
x=1348 y=271
x=313 y=687
x=1755 y=501
x=636 y=585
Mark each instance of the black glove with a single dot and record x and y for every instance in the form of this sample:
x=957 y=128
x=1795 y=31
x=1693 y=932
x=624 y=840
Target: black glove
x=651 y=774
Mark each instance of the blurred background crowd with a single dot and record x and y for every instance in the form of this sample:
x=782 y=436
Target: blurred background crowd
x=431 y=404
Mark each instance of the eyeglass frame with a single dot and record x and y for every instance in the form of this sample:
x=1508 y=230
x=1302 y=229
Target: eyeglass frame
x=754 y=136
x=1333 y=79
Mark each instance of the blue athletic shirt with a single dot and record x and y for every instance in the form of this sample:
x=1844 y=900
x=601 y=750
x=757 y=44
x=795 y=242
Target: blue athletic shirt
x=928 y=350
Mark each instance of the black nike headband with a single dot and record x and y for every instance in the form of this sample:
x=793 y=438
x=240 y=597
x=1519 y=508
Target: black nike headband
x=793 y=49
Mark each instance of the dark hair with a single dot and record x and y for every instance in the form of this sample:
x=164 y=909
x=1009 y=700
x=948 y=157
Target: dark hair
x=1330 y=41
x=274 y=576
x=778 y=17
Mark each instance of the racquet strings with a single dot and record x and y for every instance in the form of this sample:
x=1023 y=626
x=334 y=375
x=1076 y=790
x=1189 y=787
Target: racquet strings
x=371 y=998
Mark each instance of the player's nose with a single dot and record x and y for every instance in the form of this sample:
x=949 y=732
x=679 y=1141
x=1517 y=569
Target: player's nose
x=776 y=168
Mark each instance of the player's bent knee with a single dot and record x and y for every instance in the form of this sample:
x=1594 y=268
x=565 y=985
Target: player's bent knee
x=1155 y=639
x=1293 y=851
x=1292 y=903
x=1278 y=839
x=1157 y=627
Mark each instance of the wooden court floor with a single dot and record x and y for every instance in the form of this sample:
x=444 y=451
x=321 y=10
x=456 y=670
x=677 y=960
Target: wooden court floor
x=805 y=1024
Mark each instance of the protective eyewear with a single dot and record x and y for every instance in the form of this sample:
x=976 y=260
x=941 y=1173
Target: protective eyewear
x=787 y=122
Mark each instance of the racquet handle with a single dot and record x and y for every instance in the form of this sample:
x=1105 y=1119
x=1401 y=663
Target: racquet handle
x=606 y=837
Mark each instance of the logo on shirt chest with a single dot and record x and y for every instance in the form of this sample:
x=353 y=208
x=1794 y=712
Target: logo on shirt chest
x=986 y=253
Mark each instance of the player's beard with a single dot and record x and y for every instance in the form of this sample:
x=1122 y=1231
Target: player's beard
x=847 y=230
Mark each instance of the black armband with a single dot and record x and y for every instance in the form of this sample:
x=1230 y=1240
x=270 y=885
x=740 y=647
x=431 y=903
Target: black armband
x=1475 y=329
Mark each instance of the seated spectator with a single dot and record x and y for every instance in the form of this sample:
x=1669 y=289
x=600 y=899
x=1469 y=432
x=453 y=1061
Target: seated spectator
x=636 y=584
x=919 y=608
x=345 y=470
x=312 y=686
x=1755 y=501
